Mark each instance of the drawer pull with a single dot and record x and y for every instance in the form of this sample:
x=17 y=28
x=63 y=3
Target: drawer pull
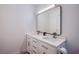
x=44 y=47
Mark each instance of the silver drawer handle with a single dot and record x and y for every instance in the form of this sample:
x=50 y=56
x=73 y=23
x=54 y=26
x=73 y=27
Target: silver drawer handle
x=44 y=47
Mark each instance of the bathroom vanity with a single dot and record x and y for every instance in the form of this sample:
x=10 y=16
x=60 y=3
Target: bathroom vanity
x=37 y=44
x=48 y=39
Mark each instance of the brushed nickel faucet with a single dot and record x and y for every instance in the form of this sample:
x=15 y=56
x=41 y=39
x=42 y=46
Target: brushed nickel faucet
x=44 y=34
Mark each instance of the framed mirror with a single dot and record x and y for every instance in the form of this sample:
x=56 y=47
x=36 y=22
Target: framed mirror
x=49 y=20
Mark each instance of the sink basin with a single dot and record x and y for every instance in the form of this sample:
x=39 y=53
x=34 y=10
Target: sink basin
x=54 y=41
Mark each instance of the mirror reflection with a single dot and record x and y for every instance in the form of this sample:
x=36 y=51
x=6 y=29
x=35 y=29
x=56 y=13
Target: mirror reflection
x=49 y=21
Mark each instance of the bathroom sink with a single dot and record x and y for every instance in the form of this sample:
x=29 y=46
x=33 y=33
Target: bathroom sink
x=47 y=37
x=54 y=41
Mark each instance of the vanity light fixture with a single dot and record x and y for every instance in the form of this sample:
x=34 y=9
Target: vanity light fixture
x=52 y=6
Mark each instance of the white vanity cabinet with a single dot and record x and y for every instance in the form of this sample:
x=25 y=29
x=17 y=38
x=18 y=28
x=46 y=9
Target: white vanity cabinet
x=36 y=45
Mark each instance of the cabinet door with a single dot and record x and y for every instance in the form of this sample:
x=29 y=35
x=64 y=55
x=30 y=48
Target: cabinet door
x=47 y=48
x=29 y=44
x=34 y=45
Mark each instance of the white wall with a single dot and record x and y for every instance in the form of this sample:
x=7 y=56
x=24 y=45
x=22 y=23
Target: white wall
x=70 y=26
x=15 y=21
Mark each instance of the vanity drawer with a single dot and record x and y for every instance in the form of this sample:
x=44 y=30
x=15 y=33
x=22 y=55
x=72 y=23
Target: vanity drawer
x=45 y=46
x=47 y=49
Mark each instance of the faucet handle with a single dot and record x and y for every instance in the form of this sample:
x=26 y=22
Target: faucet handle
x=55 y=35
x=44 y=33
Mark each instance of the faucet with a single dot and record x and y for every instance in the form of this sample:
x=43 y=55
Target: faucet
x=54 y=35
x=44 y=33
